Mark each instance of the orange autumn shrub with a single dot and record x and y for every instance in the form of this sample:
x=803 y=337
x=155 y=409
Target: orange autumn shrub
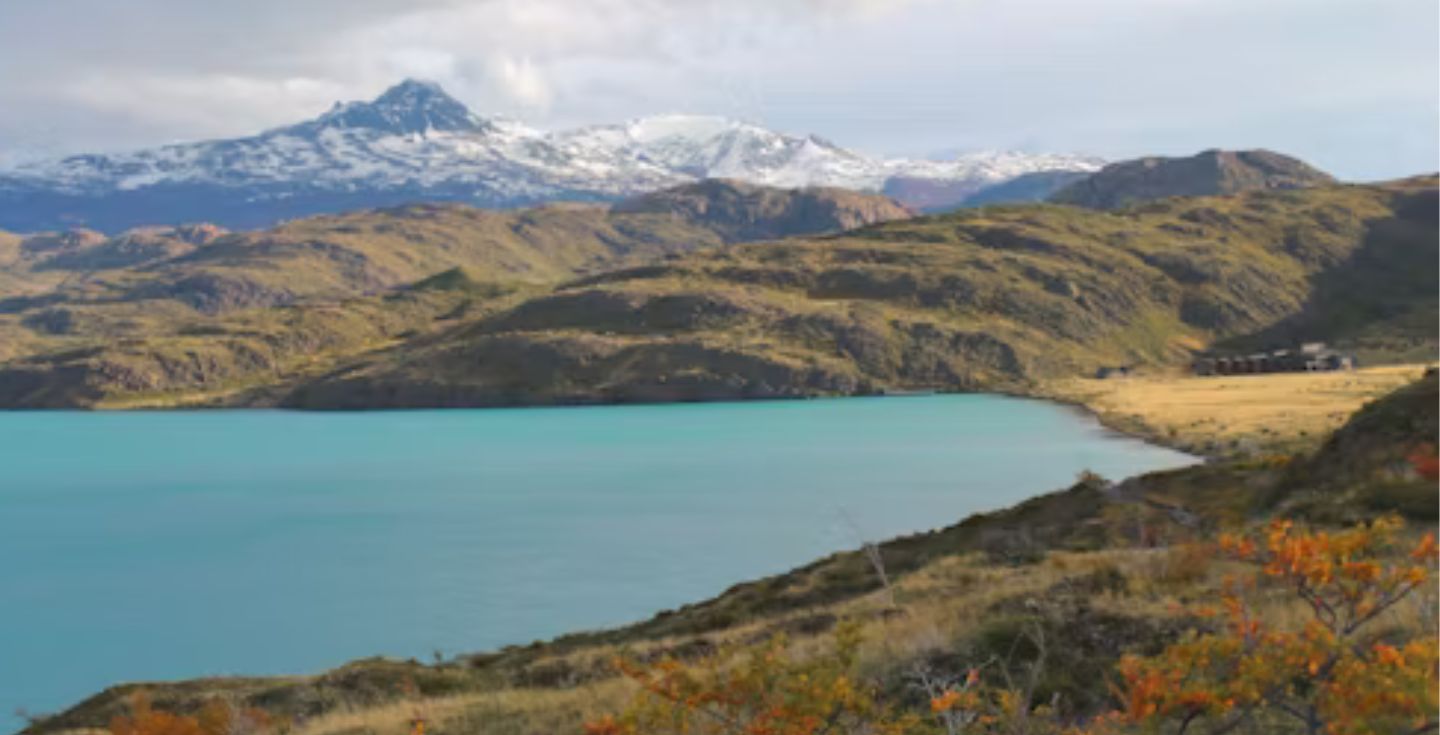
x=769 y=692
x=1344 y=659
x=1425 y=461
x=1332 y=674
x=215 y=718
x=977 y=708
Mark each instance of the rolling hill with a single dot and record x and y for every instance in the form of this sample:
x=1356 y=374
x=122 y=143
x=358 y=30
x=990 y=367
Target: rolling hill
x=1208 y=173
x=661 y=299
x=991 y=299
x=78 y=324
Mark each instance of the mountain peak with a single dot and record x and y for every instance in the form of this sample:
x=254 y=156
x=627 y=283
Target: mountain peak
x=412 y=106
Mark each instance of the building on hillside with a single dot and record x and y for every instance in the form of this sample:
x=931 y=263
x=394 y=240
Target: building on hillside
x=1113 y=371
x=1310 y=357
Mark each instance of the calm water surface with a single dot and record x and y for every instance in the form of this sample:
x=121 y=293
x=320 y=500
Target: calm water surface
x=164 y=545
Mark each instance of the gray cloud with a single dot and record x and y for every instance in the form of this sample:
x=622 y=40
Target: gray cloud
x=1350 y=85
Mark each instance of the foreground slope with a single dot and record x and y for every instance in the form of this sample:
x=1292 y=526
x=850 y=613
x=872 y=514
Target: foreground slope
x=989 y=299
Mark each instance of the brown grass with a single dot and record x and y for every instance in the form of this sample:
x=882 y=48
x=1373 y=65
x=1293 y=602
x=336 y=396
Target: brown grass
x=1254 y=414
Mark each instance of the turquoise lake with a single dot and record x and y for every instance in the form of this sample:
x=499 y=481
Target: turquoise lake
x=142 y=546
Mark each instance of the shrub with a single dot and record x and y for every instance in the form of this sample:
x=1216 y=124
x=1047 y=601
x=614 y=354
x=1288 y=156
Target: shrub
x=216 y=718
x=769 y=692
x=1333 y=674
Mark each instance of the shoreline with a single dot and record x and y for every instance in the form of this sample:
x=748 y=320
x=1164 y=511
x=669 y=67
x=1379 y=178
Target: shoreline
x=580 y=639
x=962 y=404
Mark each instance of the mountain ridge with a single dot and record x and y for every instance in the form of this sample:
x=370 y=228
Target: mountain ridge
x=416 y=143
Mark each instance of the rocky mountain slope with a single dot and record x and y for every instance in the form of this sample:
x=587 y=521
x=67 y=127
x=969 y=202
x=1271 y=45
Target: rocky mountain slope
x=183 y=308
x=988 y=299
x=415 y=143
x=1207 y=173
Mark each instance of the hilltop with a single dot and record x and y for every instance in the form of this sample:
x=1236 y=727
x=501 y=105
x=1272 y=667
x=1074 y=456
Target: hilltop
x=1208 y=173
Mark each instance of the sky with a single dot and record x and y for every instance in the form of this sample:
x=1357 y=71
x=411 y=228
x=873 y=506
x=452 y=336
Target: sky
x=1352 y=86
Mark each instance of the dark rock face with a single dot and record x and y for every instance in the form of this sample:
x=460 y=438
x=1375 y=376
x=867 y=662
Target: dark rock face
x=411 y=106
x=1207 y=173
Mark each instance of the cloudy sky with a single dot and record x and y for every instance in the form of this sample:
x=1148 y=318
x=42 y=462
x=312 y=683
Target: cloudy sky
x=1350 y=85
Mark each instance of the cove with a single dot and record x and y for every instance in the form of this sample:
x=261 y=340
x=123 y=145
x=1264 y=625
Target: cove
x=162 y=545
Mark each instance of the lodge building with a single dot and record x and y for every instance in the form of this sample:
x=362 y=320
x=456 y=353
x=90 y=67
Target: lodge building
x=1310 y=357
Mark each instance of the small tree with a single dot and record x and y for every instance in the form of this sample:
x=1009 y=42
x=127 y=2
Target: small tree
x=1333 y=674
x=768 y=692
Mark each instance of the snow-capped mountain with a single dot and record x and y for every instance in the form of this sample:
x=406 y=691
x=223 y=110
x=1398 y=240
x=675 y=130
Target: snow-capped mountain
x=415 y=142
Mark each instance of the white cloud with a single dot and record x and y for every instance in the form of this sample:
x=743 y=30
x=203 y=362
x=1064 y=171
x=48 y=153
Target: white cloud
x=199 y=102
x=1115 y=77
x=522 y=81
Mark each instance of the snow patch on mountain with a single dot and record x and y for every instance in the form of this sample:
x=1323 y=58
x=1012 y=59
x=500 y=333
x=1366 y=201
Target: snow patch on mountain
x=416 y=141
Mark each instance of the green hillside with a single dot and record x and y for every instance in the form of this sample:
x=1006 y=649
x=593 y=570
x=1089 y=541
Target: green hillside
x=651 y=301
x=155 y=316
x=987 y=299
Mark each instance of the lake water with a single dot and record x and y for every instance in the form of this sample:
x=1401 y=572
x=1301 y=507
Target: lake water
x=141 y=546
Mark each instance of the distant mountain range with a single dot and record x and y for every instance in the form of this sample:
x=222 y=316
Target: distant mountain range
x=416 y=143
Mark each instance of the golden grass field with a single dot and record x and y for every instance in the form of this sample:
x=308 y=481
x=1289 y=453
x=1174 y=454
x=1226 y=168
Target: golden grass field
x=1274 y=413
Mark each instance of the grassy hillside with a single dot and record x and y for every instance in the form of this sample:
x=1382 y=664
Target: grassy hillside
x=1098 y=569
x=996 y=298
x=1382 y=301
x=642 y=303
x=166 y=316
